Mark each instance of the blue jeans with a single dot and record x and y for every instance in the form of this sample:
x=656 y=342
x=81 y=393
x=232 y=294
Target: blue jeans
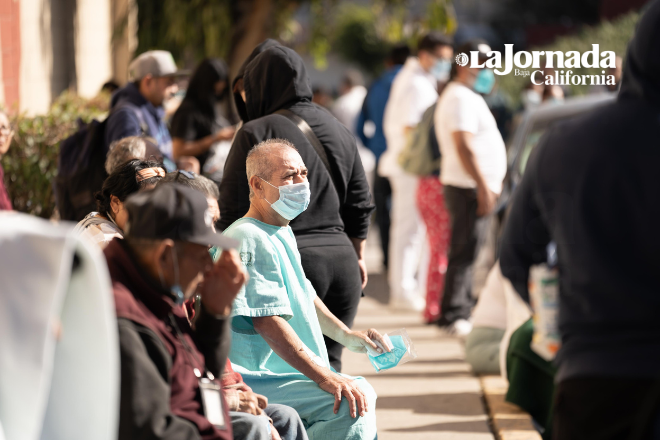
x=285 y=419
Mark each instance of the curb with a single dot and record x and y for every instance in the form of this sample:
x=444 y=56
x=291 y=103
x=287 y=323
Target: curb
x=508 y=421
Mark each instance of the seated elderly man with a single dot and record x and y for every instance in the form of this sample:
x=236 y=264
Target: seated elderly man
x=278 y=321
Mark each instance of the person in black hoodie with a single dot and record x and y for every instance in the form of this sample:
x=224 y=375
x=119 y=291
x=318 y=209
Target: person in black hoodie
x=195 y=125
x=331 y=233
x=591 y=186
x=237 y=83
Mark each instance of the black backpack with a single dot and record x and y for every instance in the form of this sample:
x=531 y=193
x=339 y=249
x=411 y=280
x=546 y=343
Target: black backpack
x=81 y=167
x=80 y=170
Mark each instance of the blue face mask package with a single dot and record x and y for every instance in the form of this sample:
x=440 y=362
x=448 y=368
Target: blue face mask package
x=401 y=351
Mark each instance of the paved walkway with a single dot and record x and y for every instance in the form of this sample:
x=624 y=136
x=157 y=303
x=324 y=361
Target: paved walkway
x=432 y=397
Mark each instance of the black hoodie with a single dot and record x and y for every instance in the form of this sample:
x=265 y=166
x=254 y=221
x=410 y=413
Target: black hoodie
x=277 y=79
x=592 y=186
x=238 y=99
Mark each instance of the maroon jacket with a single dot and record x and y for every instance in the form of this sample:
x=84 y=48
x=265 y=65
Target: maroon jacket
x=160 y=395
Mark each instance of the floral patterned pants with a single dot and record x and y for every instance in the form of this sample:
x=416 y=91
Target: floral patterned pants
x=431 y=204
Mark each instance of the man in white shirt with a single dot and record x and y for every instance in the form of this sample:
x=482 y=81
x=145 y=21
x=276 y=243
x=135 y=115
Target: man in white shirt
x=472 y=169
x=413 y=91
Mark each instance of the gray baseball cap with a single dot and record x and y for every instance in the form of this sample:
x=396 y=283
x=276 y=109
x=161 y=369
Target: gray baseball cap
x=155 y=63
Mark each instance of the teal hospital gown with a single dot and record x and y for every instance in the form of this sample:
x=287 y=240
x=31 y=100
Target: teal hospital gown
x=278 y=286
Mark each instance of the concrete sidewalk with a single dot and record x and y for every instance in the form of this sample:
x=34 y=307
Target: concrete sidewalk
x=433 y=397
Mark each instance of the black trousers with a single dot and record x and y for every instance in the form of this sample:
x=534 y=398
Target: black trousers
x=335 y=275
x=383 y=201
x=609 y=408
x=468 y=233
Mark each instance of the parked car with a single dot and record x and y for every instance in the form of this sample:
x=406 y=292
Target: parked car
x=528 y=130
x=536 y=121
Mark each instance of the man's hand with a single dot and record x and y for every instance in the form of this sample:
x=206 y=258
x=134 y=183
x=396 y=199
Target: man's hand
x=486 y=200
x=360 y=244
x=274 y=435
x=339 y=386
x=222 y=283
x=252 y=403
x=358 y=341
x=363 y=272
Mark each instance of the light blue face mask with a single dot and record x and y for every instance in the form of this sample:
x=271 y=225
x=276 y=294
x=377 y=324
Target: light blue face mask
x=389 y=360
x=484 y=82
x=293 y=201
x=441 y=69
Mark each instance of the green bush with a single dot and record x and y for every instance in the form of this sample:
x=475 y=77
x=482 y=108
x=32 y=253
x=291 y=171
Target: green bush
x=364 y=34
x=31 y=162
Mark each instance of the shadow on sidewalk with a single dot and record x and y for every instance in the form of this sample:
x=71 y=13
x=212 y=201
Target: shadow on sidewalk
x=377 y=288
x=424 y=374
x=460 y=404
x=477 y=426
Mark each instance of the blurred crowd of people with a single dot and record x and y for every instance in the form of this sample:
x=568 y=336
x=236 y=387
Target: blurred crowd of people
x=235 y=244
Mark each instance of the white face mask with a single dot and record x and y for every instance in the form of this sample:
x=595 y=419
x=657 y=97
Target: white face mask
x=294 y=199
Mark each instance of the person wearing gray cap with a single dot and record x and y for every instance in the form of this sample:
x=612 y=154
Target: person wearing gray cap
x=137 y=108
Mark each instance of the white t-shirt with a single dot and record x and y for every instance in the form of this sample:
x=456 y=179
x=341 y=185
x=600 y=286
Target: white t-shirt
x=413 y=91
x=462 y=109
x=348 y=106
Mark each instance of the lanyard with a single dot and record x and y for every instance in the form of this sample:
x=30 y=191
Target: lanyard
x=190 y=353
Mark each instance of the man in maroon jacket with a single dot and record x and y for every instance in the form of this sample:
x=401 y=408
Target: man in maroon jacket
x=169 y=365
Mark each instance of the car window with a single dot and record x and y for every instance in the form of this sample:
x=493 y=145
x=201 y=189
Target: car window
x=531 y=141
x=534 y=136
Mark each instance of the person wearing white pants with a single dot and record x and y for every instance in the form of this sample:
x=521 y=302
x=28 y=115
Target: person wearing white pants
x=407 y=235
x=413 y=91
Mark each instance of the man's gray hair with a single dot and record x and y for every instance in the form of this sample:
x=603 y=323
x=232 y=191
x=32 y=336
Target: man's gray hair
x=257 y=163
x=123 y=150
x=203 y=184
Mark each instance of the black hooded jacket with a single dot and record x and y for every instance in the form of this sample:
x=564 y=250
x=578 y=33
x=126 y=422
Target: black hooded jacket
x=238 y=99
x=277 y=79
x=196 y=117
x=592 y=186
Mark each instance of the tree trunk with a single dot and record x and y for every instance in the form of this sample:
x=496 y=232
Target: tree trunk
x=251 y=27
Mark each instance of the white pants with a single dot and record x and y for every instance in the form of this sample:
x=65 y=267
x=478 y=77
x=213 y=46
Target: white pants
x=407 y=235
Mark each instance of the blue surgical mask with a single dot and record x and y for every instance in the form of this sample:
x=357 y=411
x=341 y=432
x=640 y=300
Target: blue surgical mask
x=293 y=201
x=389 y=360
x=441 y=69
x=484 y=82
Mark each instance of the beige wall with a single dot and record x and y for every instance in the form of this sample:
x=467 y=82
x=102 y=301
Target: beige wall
x=93 y=46
x=50 y=65
x=36 y=56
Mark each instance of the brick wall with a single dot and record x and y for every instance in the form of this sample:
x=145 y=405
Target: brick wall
x=10 y=52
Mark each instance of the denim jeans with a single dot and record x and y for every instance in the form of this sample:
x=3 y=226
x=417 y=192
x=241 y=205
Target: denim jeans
x=285 y=419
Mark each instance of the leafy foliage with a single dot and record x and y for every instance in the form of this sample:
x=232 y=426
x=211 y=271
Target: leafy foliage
x=357 y=38
x=364 y=34
x=31 y=162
